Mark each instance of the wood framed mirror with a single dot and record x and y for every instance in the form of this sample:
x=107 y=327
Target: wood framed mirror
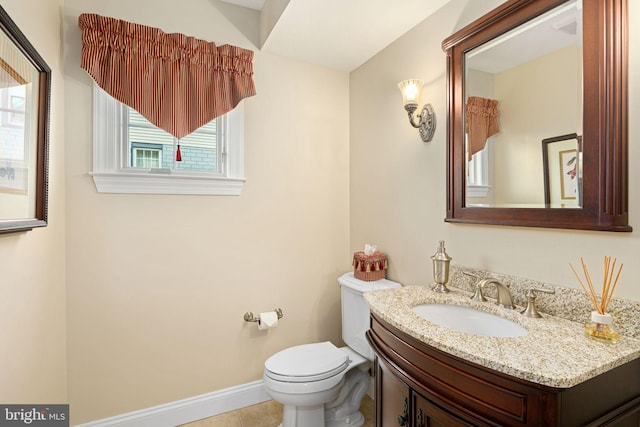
x=590 y=61
x=25 y=86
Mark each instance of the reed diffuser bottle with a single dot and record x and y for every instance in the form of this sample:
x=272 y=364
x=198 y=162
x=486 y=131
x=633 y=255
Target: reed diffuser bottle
x=601 y=326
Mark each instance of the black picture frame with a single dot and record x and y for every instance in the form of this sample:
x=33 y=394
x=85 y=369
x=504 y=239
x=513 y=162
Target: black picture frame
x=552 y=158
x=30 y=194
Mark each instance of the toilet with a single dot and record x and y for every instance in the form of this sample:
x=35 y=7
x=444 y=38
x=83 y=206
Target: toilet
x=320 y=384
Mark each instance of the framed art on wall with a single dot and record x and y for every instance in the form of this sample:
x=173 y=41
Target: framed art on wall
x=561 y=157
x=25 y=86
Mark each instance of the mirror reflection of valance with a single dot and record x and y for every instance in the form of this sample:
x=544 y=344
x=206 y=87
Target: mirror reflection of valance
x=481 y=122
x=15 y=70
x=177 y=82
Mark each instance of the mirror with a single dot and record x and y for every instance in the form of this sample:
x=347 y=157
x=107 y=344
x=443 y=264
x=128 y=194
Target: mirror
x=532 y=76
x=533 y=84
x=25 y=81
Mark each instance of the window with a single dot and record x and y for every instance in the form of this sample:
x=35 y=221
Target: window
x=146 y=155
x=13 y=151
x=132 y=155
x=12 y=106
x=478 y=172
x=199 y=150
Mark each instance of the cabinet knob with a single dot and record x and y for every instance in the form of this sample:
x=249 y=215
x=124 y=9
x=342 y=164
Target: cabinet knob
x=403 y=420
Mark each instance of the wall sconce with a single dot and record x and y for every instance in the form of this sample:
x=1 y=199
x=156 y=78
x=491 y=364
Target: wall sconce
x=426 y=125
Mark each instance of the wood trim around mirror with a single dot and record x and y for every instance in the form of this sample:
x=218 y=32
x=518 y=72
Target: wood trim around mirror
x=605 y=179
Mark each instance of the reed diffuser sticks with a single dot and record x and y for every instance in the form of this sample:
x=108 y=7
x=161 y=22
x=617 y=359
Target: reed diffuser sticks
x=608 y=284
x=601 y=328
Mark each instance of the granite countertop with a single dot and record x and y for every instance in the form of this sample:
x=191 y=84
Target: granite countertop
x=554 y=353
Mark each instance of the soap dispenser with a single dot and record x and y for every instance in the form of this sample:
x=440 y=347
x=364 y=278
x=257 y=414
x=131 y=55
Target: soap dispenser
x=441 y=269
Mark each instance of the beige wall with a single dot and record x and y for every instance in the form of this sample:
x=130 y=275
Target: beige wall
x=398 y=182
x=528 y=115
x=32 y=289
x=158 y=285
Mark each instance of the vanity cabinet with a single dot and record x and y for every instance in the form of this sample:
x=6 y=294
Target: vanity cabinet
x=419 y=385
x=400 y=405
x=392 y=408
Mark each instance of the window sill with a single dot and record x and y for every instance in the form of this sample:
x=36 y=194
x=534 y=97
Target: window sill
x=478 y=190
x=135 y=183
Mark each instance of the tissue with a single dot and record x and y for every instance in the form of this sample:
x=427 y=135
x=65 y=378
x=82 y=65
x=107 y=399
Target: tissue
x=268 y=320
x=370 y=249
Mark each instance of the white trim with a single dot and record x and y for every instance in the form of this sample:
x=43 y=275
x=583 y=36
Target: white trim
x=478 y=190
x=110 y=176
x=478 y=173
x=151 y=183
x=189 y=410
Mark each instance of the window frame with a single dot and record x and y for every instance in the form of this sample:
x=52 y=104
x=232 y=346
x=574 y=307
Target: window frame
x=111 y=175
x=477 y=173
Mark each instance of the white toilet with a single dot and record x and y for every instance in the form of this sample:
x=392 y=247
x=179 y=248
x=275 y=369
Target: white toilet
x=320 y=384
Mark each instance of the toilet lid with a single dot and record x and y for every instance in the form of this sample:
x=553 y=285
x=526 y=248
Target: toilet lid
x=309 y=362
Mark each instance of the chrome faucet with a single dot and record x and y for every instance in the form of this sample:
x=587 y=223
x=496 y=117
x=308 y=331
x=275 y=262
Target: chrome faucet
x=504 y=298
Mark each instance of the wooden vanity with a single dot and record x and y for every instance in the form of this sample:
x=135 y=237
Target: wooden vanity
x=432 y=375
x=419 y=385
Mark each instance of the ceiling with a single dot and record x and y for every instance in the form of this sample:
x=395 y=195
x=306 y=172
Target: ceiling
x=340 y=34
x=251 y=4
x=549 y=32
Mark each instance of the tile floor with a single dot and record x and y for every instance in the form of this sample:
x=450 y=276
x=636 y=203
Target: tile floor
x=266 y=414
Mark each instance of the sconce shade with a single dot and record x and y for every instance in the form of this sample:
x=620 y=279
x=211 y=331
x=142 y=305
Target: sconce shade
x=410 y=90
x=426 y=123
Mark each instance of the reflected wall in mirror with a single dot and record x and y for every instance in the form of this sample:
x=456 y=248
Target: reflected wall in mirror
x=532 y=71
x=24 y=131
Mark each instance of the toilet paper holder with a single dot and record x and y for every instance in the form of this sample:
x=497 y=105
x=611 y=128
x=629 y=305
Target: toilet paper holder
x=250 y=317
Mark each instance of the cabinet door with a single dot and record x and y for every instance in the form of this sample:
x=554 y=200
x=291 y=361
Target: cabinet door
x=429 y=415
x=392 y=399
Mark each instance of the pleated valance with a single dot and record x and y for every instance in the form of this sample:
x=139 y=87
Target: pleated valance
x=15 y=70
x=481 y=122
x=177 y=82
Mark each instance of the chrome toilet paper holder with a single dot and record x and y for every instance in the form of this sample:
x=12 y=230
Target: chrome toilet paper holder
x=250 y=317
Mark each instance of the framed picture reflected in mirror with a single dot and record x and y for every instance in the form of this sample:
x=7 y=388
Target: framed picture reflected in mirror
x=25 y=90
x=562 y=164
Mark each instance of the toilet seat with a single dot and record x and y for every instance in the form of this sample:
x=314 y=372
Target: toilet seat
x=306 y=363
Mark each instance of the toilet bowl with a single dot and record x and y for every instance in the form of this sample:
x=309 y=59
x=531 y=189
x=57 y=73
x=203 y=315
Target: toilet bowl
x=320 y=384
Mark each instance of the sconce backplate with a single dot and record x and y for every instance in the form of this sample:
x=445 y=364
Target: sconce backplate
x=427 y=123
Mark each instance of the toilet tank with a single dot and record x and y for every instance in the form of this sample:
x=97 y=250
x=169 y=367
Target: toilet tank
x=355 y=310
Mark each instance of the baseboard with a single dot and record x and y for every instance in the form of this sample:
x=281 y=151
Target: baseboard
x=188 y=410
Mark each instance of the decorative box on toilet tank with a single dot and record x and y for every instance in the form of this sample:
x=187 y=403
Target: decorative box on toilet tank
x=370 y=267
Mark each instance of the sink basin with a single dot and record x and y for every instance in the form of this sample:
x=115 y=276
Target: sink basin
x=470 y=320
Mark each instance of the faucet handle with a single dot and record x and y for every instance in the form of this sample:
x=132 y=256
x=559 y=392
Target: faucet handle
x=531 y=310
x=478 y=295
x=466 y=273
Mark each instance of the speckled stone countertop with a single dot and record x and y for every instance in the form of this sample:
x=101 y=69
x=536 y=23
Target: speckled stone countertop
x=555 y=352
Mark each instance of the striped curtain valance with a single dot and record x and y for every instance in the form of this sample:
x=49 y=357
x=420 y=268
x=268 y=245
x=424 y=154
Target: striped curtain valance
x=177 y=82
x=481 y=122
x=15 y=69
